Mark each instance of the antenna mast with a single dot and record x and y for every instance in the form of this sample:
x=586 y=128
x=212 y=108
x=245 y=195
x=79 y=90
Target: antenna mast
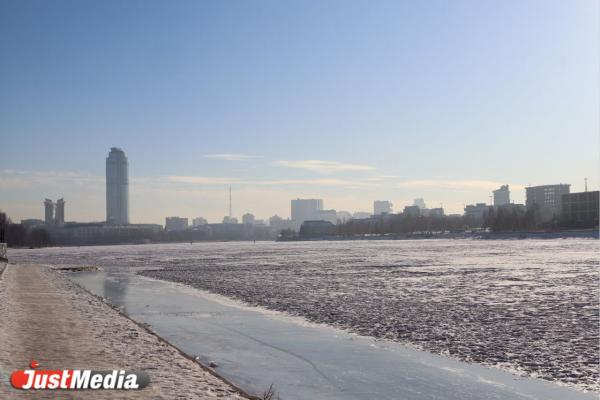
x=585 y=184
x=229 y=201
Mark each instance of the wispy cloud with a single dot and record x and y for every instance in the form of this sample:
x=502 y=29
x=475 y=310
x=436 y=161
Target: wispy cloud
x=10 y=178
x=205 y=180
x=322 y=166
x=456 y=184
x=202 y=180
x=231 y=156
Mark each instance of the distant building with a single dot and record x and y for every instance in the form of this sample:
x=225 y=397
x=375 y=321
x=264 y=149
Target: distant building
x=59 y=215
x=48 y=212
x=31 y=222
x=475 y=214
x=248 y=219
x=382 y=207
x=278 y=224
x=117 y=187
x=424 y=211
x=412 y=210
x=199 y=221
x=176 y=224
x=420 y=203
x=54 y=213
x=275 y=219
x=510 y=207
x=436 y=212
x=361 y=215
x=547 y=198
x=88 y=233
x=580 y=209
x=230 y=220
x=502 y=196
x=343 y=216
x=305 y=209
x=327 y=215
x=316 y=229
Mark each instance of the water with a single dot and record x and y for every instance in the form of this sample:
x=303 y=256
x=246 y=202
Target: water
x=529 y=307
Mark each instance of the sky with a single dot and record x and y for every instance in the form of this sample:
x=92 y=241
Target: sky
x=348 y=101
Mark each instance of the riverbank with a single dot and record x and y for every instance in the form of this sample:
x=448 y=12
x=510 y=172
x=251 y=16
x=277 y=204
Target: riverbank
x=478 y=235
x=48 y=318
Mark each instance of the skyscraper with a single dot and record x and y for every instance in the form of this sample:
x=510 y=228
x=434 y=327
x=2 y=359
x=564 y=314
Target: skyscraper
x=48 y=212
x=54 y=213
x=117 y=187
x=59 y=215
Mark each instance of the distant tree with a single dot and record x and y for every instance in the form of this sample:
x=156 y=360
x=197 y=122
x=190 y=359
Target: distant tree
x=16 y=235
x=287 y=234
x=38 y=237
x=3 y=225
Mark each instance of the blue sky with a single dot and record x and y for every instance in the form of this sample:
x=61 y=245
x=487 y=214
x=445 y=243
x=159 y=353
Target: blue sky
x=349 y=101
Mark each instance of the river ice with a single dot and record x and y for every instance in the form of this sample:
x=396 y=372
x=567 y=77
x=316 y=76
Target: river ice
x=528 y=306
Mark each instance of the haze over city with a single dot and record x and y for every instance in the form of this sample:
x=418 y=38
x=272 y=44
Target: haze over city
x=398 y=101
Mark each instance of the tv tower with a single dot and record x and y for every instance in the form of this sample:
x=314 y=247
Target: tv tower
x=230 y=202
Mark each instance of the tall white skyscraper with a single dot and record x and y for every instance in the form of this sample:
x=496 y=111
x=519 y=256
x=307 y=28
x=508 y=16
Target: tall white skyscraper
x=117 y=187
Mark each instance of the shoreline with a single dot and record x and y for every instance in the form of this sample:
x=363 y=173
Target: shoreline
x=520 y=235
x=68 y=327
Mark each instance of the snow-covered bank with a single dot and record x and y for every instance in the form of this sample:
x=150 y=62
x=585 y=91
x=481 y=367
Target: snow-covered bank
x=44 y=315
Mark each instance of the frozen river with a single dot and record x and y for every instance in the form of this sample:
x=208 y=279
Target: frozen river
x=529 y=307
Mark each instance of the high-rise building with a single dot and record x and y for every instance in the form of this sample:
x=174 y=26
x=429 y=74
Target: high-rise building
x=117 y=187
x=48 y=212
x=502 y=196
x=305 y=209
x=59 y=215
x=54 y=213
x=580 y=209
x=547 y=198
x=382 y=207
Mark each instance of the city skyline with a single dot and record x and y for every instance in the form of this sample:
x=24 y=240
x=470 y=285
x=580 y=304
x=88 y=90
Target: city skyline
x=447 y=103
x=117 y=187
